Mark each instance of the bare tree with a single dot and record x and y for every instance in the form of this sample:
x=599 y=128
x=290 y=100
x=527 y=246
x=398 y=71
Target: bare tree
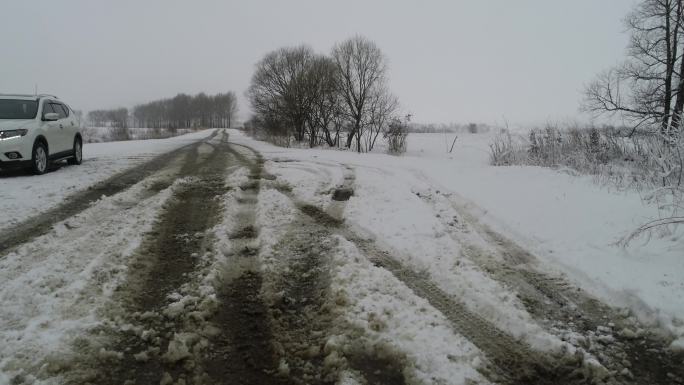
x=361 y=71
x=648 y=88
x=381 y=108
x=316 y=97
x=323 y=120
x=280 y=87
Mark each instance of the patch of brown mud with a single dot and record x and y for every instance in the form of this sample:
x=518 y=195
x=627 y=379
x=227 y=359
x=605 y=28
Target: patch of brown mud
x=243 y=353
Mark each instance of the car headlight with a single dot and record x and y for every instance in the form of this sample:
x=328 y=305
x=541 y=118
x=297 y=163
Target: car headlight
x=7 y=134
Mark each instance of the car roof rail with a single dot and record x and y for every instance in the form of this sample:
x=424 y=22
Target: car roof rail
x=47 y=96
x=20 y=95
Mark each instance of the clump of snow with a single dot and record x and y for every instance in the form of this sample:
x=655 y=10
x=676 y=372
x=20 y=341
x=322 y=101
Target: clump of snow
x=179 y=347
x=678 y=345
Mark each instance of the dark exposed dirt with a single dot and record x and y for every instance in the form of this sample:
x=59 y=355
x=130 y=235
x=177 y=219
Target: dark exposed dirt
x=378 y=370
x=300 y=317
x=244 y=353
x=342 y=194
x=41 y=224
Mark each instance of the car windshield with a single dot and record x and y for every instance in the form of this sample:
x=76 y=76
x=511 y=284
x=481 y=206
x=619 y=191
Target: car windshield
x=18 y=109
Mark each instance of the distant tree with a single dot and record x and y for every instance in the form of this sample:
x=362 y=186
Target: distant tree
x=185 y=111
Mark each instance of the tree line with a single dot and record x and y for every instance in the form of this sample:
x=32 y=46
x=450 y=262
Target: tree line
x=341 y=99
x=181 y=111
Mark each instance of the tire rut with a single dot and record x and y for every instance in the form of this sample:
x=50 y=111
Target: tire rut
x=565 y=310
x=244 y=352
x=147 y=344
x=301 y=318
x=74 y=204
x=512 y=361
x=302 y=311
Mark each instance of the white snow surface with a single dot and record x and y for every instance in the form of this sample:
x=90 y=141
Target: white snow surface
x=23 y=195
x=570 y=223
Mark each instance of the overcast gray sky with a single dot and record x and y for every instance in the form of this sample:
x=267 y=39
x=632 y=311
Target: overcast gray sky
x=451 y=60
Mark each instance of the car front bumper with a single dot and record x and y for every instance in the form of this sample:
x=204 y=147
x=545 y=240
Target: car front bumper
x=17 y=146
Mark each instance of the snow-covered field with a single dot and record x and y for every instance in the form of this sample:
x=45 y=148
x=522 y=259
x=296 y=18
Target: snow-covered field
x=25 y=195
x=569 y=222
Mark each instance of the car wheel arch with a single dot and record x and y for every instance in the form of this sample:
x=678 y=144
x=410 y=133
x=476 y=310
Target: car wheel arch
x=41 y=139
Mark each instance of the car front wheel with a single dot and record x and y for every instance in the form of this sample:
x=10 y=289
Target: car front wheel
x=39 y=164
x=78 y=153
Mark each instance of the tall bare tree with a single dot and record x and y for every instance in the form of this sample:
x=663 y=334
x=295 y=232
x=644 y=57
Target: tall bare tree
x=647 y=89
x=326 y=108
x=361 y=70
x=382 y=106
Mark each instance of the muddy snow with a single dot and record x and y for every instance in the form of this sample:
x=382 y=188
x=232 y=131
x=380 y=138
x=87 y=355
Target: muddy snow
x=234 y=261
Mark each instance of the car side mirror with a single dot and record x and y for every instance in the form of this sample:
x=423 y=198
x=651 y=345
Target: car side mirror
x=51 y=116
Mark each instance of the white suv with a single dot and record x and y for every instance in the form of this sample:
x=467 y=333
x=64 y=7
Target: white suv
x=36 y=130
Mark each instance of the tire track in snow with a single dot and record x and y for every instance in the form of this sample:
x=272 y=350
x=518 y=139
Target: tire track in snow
x=513 y=362
x=300 y=305
x=243 y=351
x=562 y=308
x=74 y=204
x=149 y=344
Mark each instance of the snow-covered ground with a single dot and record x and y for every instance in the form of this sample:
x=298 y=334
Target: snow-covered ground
x=569 y=222
x=23 y=195
x=423 y=209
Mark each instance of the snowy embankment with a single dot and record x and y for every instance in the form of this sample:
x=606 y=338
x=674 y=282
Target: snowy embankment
x=568 y=222
x=23 y=195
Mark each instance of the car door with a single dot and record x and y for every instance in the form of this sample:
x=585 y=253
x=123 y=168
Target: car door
x=51 y=129
x=66 y=126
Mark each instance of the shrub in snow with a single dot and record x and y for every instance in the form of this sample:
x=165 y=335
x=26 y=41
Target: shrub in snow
x=396 y=134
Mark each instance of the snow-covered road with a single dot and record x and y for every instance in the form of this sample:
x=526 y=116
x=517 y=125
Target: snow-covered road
x=235 y=261
x=24 y=196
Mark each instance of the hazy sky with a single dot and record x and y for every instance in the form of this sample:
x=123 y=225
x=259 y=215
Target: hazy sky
x=452 y=60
